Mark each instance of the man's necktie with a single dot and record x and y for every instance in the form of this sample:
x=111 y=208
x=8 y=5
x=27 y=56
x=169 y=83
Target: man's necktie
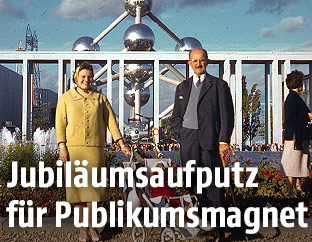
x=197 y=81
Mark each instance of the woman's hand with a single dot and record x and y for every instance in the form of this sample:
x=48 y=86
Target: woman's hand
x=125 y=149
x=310 y=116
x=64 y=155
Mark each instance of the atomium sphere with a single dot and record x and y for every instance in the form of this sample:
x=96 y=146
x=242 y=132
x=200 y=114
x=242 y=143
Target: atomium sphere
x=138 y=126
x=139 y=37
x=138 y=72
x=136 y=129
x=85 y=44
x=146 y=6
x=188 y=43
x=130 y=94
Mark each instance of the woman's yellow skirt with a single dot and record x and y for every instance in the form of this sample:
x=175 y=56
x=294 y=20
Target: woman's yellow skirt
x=95 y=158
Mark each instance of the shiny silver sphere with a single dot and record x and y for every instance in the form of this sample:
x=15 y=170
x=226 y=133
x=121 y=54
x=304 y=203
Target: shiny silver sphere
x=138 y=72
x=130 y=94
x=146 y=6
x=136 y=130
x=188 y=43
x=139 y=37
x=139 y=126
x=85 y=44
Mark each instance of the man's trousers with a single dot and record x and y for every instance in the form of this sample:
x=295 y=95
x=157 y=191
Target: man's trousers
x=192 y=150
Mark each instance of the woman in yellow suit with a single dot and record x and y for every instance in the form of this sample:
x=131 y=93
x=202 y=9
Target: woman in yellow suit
x=82 y=118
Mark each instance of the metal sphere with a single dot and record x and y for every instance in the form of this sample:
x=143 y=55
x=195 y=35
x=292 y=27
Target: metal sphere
x=136 y=130
x=130 y=94
x=146 y=6
x=139 y=126
x=138 y=72
x=139 y=37
x=188 y=43
x=85 y=44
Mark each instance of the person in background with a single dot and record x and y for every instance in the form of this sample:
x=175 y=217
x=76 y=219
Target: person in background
x=295 y=159
x=82 y=118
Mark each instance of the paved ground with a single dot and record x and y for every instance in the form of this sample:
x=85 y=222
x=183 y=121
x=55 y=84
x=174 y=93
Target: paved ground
x=115 y=235
x=68 y=233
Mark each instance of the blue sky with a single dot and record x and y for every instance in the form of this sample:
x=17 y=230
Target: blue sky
x=220 y=25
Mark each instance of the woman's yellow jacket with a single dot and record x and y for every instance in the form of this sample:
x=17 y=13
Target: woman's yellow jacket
x=84 y=120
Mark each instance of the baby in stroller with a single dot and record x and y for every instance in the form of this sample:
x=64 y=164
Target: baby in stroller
x=164 y=190
x=166 y=196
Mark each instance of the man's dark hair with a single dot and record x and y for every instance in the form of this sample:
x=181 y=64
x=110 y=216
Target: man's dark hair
x=294 y=79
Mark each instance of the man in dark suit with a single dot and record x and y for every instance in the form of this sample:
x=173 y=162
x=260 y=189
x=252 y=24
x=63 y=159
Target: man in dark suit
x=203 y=121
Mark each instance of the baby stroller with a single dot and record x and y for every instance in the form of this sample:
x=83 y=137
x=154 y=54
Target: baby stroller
x=167 y=197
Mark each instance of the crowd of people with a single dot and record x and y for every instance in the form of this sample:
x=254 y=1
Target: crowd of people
x=149 y=147
x=176 y=146
x=258 y=147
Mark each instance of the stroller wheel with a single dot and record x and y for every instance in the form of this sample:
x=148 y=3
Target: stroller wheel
x=216 y=236
x=138 y=234
x=168 y=235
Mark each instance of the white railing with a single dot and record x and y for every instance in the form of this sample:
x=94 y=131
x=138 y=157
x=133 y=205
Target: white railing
x=277 y=66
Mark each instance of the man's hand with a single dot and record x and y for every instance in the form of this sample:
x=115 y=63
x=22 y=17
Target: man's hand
x=223 y=149
x=64 y=155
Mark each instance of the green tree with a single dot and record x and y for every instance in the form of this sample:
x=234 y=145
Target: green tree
x=252 y=125
x=41 y=117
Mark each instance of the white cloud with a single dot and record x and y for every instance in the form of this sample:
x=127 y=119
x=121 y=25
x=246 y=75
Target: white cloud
x=308 y=44
x=7 y=8
x=202 y=2
x=267 y=32
x=26 y=3
x=83 y=10
x=48 y=75
x=292 y=24
x=269 y=6
x=286 y=25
